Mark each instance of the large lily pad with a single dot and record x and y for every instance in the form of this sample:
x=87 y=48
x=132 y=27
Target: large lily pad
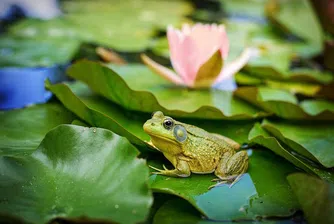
x=285 y=105
x=261 y=137
x=275 y=52
x=76 y=172
x=245 y=8
x=314 y=141
x=99 y=22
x=135 y=87
x=178 y=211
x=296 y=17
x=262 y=192
x=21 y=131
x=100 y=112
x=18 y=52
x=315 y=196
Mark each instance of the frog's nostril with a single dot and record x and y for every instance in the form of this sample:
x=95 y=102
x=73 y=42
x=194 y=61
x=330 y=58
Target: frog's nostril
x=152 y=124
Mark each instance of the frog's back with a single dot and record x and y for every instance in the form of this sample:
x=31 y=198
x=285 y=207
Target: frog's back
x=205 y=149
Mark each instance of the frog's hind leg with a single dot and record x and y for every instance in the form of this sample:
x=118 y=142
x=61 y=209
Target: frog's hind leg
x=231 y=167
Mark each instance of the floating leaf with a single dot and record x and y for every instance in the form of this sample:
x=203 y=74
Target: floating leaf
x=76 y=172
x=123 y=25
x=285 y=105
x=151 y=93
x=21 y=131
x=302 y=138
x=315 y=196
x=99 y=112
x=179 y=211
x=18 y=52
x=259 y=136
x=245 y=8
x=296 y=17
x=262 y=192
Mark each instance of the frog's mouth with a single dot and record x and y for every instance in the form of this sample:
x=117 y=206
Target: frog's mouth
x=155 y=137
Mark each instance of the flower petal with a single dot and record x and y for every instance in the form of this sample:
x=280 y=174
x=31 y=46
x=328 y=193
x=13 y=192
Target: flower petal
x=232 y=68
x=164 y=72
x=182 y=49
x=209 y=71
x=209 y=37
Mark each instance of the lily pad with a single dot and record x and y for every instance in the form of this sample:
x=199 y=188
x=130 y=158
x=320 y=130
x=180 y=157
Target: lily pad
x=308 y=88
x=245 y=8
x=18 y=52
x=261 y=137
x=302 y=138
x=179 y=211
x=76 y=172
x=285 y=105
x=275 y=52
x=21 y=131
x=296 y=17
x=100 y=112
x=315 y=196
x=150 y=92
x=150 y=13
x=123 y=25
x=262 y=192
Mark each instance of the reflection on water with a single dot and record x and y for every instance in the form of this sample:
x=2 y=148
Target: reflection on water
x=235 y=200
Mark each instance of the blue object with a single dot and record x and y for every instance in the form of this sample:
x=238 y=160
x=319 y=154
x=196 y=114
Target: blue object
x=20 y=87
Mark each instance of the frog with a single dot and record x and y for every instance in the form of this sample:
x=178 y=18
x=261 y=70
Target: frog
x=191 y=149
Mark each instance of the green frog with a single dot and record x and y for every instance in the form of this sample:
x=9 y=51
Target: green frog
x=193 y=150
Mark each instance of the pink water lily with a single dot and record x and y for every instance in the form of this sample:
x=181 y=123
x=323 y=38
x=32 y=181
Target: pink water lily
x=198 y=54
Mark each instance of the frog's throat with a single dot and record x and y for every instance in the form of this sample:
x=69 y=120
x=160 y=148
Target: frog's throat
x=156 y=138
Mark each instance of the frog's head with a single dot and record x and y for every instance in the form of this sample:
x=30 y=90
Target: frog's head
x=166 y=134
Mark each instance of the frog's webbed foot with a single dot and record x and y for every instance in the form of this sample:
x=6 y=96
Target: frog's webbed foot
x=225 y=180
x=159 y=170
x=217 y=184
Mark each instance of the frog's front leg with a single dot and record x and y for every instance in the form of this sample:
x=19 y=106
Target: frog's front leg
x=182 y=169
x=231 y=167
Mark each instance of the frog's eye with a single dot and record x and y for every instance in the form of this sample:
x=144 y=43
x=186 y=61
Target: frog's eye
x=168 y=123
x=180 y=133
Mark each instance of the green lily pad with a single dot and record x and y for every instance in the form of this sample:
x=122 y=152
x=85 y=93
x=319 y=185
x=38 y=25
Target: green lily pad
x=297 y=17
x=313 y=141
x=135 y=87
x=285 y=105
x=179 y=211
x=248 y=80
x=160 y=47
x=18 y=52
x=150 y=13
x=262 y=192
x=307 y=88
x=241 y=8
x=75 y=172
x=315 y=196
x=100 y=112
x=261 y=137
x=21 y=131
x=123 y=25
